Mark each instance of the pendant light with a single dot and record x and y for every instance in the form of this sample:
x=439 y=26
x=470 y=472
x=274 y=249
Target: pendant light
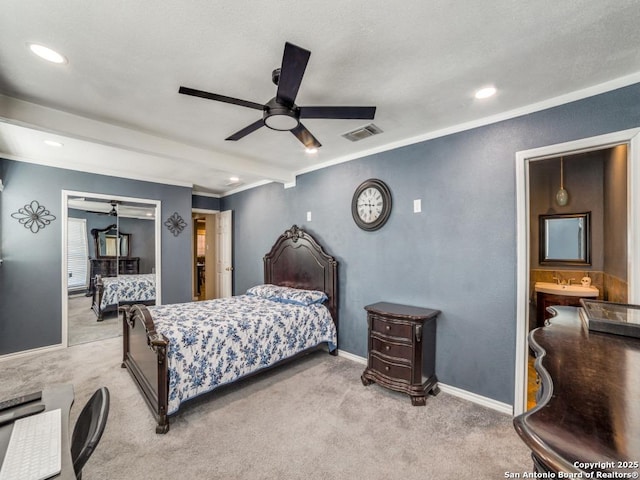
x=562 y=197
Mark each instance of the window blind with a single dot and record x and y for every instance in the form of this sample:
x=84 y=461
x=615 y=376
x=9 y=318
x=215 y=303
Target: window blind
x=77 y=253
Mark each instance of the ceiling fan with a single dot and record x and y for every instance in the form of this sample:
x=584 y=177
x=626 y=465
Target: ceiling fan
x=281 y=113
x=112 y=213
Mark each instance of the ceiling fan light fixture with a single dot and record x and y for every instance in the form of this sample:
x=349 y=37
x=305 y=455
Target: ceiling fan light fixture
x=47 y=53
x=282 y=123
x=311 y=150
x=280 y=117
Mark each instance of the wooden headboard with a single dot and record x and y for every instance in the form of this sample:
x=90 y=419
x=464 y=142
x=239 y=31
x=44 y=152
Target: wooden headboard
x=298 y=260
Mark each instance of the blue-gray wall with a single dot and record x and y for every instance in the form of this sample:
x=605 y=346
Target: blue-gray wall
x=458 y=255
x=30 y=277
x=205 y=203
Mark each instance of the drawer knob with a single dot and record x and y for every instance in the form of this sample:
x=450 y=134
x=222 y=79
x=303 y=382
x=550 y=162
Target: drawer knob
x=387 y=368
x=387 y=327
x=387 y=348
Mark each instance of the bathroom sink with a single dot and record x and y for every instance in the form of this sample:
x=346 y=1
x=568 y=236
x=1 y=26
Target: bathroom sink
x=568 y=290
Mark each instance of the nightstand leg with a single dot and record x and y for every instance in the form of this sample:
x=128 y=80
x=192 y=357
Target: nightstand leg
x=435 y=391
x=418 y=401
x=365 y=381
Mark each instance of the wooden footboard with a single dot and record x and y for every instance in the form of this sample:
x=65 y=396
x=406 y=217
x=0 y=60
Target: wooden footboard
x=145 y=356
x=98 y=292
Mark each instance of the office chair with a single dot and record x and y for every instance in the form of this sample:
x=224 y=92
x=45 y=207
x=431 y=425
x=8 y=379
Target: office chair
x=88 y=429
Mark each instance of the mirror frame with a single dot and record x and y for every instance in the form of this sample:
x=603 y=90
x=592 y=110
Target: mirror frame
x=586 y=239
x=123 y=237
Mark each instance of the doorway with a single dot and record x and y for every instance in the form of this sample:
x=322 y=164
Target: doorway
x=212 y=255
x=629 y=140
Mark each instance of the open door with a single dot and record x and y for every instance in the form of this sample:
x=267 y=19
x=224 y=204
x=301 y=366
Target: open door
x=212 y=262
x=224 y=265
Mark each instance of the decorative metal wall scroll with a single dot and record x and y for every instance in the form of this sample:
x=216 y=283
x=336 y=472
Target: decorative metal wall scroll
x=34 y=216
x=175 y=224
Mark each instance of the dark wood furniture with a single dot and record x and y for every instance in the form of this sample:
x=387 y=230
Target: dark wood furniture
x=587 y=418
x=545 y=300
x=53 y=397
x=402 y=348
x=295 y=260
x=111 y=267
x=113 y=259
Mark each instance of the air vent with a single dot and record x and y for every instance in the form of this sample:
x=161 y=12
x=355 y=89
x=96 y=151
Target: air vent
x=362 y=132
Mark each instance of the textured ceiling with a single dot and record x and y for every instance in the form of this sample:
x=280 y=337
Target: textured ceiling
x=115 y=105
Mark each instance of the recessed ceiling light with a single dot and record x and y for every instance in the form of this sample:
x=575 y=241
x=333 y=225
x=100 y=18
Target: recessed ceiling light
x=46 y=53
x=53 y=143
x=486 y=92
x=311 y=151
x=234 y=179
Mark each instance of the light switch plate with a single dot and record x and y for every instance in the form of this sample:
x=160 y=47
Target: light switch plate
x=417 y=205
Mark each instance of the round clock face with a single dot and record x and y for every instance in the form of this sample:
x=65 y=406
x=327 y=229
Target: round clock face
x=371 y=204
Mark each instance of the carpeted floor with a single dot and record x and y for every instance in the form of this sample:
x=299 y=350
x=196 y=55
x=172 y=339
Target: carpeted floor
x=83 y=325
x=312 y=419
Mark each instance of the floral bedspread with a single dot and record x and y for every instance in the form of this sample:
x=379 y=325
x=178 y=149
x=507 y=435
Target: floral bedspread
x=128 y=288
x=215 y=342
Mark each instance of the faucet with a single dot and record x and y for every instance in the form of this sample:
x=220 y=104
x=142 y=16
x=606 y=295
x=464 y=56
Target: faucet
x=570 y=280
x=556 y=278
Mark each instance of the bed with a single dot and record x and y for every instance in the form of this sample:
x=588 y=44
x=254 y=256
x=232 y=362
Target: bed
x=110 y=292
x=163 y=345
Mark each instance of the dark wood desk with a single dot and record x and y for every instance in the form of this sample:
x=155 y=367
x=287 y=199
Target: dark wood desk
x=587 y=418
x=58 y=396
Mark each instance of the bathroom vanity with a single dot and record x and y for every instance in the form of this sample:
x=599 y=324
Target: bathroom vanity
x=587 y=418
x=550 y=294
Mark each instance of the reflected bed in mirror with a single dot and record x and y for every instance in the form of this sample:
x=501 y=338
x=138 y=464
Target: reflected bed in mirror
x=565 y=239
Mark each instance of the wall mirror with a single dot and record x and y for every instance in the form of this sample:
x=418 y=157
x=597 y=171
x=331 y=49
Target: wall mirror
x=565 y=239
x=111 y=242
x=111 y=257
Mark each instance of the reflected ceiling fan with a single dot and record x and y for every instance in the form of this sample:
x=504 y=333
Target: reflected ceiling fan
x=112 y=213
x=281 y=113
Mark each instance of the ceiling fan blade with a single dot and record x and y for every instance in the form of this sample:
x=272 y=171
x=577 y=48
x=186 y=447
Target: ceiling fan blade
x=220 y=98
x=294 y=63
x=305 y=137
x=367 y=113
x=246 y=130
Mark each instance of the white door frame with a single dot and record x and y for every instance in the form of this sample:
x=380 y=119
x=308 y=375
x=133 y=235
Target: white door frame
x=632 y=139
x=65 y=215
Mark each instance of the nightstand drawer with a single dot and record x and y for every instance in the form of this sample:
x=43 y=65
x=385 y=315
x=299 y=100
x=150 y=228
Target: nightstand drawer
x=391 y=349
x=393 y=370
x=386 y=327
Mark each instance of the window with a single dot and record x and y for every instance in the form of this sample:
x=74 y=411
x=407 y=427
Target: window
x=77 y=254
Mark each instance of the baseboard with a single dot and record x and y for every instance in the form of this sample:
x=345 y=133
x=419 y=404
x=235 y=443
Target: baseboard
x=475 y=398
x=352 y=357
x=27 y=353
x=455 y=391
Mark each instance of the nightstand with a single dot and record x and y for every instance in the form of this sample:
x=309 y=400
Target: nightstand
x=402 y=349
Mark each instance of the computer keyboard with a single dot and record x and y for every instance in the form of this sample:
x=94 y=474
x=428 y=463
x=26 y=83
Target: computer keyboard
x=34 y=448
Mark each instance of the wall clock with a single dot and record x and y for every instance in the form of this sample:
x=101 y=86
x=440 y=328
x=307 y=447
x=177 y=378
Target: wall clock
x=371 y=204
